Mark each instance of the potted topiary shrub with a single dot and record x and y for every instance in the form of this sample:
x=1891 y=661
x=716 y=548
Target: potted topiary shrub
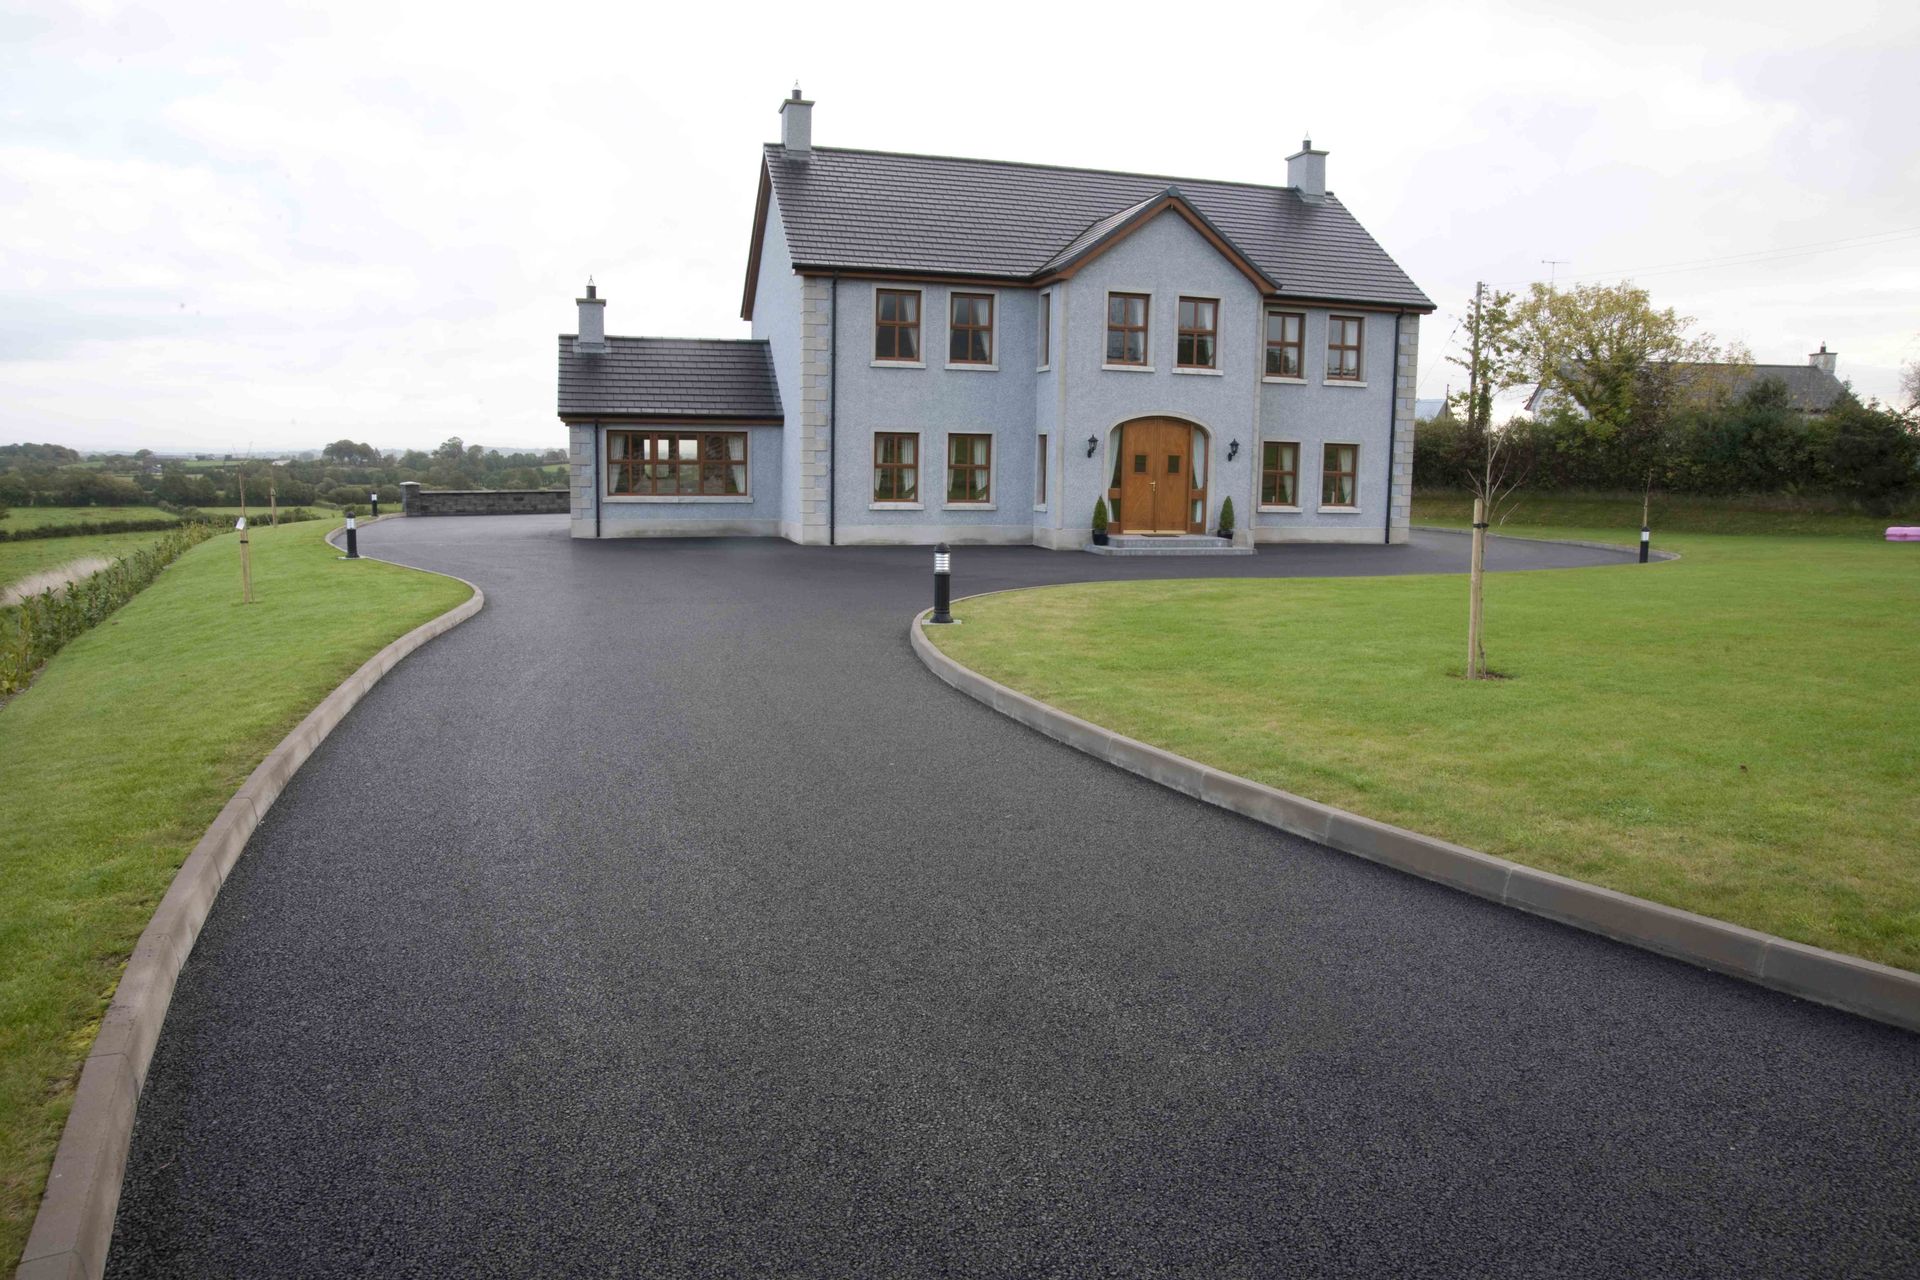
x=1099 y=522
x=1226 y=519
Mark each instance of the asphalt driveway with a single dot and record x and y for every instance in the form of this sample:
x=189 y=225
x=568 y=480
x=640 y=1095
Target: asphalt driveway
x=669 y=919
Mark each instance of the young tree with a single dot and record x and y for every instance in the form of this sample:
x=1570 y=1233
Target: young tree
x=1493 y=461
x=1910 y=383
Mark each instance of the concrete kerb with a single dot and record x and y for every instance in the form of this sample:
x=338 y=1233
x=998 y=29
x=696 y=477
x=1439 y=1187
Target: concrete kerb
x=1871 y=990
x=1626 y=548
x=74 y=1225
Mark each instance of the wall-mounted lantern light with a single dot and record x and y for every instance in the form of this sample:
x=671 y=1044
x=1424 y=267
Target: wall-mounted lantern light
x=1093 y=443
x=1233 y=451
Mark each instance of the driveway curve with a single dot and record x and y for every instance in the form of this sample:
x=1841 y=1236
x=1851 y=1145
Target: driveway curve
x=668 y=918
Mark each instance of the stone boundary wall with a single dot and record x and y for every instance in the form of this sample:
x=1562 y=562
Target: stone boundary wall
x=415 y=501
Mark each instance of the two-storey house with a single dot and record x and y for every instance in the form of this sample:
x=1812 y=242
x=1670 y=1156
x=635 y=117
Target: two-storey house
x=975 y=351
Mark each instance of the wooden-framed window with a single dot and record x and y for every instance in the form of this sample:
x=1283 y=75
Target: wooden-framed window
x=1343 y=347
x=1340 y=475
x=1040 y=473
x=896 y=324
x=1199 y=346
x=1046 y=328
x=970 y=328
x=1280 y=474
x=1126 y=328
x=969 y=468
x=680 y=464
x=1286 y=344
x=896 y=466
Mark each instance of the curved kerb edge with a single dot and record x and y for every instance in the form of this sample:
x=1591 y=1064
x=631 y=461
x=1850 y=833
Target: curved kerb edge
x=74 y=1226
x=1625 y=548
x=1858 y=986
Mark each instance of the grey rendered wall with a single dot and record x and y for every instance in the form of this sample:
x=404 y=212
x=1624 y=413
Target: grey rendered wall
x=777 y=319
x=935 y=401
x=1165 y=259
x=758 y=516
x=1314 y=412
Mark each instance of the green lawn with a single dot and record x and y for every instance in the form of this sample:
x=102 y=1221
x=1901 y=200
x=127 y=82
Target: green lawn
x=42 y=517
x=116 y=760
x=19 y=559
x=1671 y=514
x=1733 y=732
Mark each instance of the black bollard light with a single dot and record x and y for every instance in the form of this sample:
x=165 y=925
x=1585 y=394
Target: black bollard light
x=353 y=540
x=942 y=584
x=374 y=498
x=1646 y=540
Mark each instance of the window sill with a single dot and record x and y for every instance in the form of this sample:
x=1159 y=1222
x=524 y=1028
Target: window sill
x=1341 y=382
x=1039 y=506
x=1045 y=368
x=898 y=364
x=1339 y=511
x=678 y=497
x=896 y=506
x=969 y=506
x=1284 y=381
x=1205 y=373
x=969 y=367
x=1128 y=368
x=1283 y=511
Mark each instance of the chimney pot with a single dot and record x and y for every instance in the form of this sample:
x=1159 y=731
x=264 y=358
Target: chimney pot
x=796 y=124
x=1307 y=172
x=592 y=337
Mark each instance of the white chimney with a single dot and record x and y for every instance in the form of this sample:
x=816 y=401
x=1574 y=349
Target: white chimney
x=1307 y=172
x=796 y=125
x=1824 y=359
x=592 y=339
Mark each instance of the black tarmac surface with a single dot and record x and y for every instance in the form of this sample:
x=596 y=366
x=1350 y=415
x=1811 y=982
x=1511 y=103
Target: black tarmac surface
x=668 y=918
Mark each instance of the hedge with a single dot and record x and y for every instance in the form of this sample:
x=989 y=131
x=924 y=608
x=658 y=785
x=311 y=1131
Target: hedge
x=39 y=626
x=149 y=525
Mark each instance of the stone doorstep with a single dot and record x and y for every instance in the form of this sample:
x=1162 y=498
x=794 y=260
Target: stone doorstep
x=1185 y=544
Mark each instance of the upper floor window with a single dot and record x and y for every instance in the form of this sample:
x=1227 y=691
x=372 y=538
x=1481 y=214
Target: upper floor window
x=1126 y=328
x=896 y=324
x=896 y=467
x=1280 y=474
x=677 y=463
x=1286 y=344
x=969 y=468
x=1046 y=329
x=1340 y=476
x=1199 y=333
x=970 y=335
x=1343 y=347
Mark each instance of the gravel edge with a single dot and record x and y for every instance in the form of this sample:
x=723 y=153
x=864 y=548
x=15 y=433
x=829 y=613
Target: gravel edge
x=74 y=1225
x=1875 y=991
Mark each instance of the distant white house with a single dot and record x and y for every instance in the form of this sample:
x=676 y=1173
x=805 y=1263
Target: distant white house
x=1813 y=386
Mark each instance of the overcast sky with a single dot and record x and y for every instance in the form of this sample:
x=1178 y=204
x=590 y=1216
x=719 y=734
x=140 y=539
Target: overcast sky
x=233 y=226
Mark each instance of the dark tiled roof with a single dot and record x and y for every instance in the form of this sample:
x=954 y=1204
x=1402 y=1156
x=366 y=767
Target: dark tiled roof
x=670 y=377
x=1812 y=389
x=876 y=211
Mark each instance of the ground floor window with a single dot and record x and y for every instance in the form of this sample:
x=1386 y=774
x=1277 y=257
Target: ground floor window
x=677 y=463
x=1340 y=476
x=969 y=468
x=1040 y=473
x=896 y=467
x=1280 y=474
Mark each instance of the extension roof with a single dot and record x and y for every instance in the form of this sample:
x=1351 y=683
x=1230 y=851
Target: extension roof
x=670 y=379
x=881 y=212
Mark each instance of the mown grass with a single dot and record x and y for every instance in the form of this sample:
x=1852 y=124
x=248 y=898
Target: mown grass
x=21 y=559
x=116 y=760
x=1733 y=732
x=48 y=517
x=1619 y=514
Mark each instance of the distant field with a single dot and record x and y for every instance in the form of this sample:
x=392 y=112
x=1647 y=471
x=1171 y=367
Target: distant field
x=46 y=517
x=1619 y=514
x=20 y=559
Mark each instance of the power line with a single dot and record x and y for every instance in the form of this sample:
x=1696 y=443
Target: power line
x=1754 y=257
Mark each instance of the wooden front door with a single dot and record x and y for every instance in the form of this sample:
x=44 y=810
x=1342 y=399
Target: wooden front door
x=1156 y=487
